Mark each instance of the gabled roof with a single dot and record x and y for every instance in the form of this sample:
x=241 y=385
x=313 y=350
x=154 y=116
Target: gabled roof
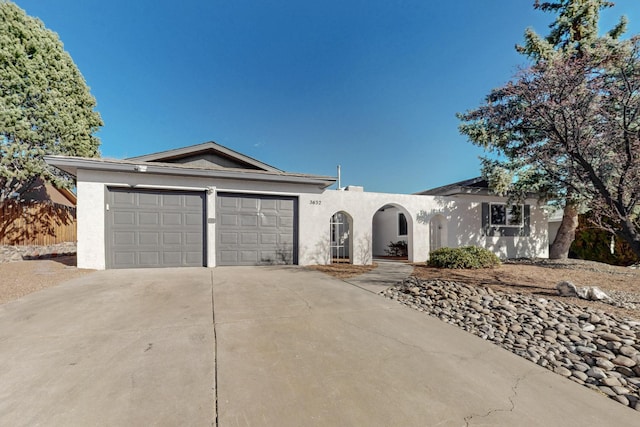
x=71 y=165
x=238 y=160
x=477 y=185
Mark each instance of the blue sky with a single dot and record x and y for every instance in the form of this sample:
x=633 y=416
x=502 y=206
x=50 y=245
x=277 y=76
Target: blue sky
x=302 y=85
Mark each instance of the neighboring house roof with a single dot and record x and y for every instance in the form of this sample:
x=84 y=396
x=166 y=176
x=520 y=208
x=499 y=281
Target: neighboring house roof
x=476 y=185
x=72 y=164
x=473 y=186
x=41 y=191
x=207 y=154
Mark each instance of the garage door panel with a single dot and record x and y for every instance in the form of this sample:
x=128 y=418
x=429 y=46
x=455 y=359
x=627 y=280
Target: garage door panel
x=192 y=202
x=172 y=200
x=228 y=202
x=268 y=238
x=228 y=257
x=268 y=220
x=249 y=204
x=193 y=258
x=171 y=219
x=154 y=228
x=124 y=258
x=249 y=238
x=151 y=258
x=193 y=239
x=228 y=219
x=169 y=257
x=148 y=199
x=192 y=219
x=248 y=220
x=286 y=206
x=171 y=238
x=148 y=218
x=256 y=237
x=285 y=222
x=126 y=199
x=149 y=238
x=268 y=256
x=269 y=204
x=228 y=238
x=249 y=257
x=124 y=218
x=124 y=238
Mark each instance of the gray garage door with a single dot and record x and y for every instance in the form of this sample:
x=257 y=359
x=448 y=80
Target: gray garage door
x=150 y=228
x=256 y=229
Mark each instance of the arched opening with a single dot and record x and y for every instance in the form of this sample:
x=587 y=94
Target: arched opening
x=392 y=229
x=340 y=237
x=437 y=233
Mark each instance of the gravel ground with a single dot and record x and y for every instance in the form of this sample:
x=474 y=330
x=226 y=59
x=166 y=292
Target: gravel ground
x=586 y=345
x=21 y=278
x=540 y=277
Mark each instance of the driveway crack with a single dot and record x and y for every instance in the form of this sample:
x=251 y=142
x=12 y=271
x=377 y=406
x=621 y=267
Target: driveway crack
x=215 y=359
x=512 y=403
x=300 y=297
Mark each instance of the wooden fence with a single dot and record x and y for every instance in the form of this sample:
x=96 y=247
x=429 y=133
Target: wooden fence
x=36 y=223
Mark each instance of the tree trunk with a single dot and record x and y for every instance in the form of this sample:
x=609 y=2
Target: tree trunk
x=566 y=233
x=630 y=233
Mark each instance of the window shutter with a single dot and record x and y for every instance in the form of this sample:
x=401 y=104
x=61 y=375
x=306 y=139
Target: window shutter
x=485 y=219
x=526 y=230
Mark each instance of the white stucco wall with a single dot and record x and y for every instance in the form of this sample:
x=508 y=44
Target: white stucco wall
x=465 y=229
x=461 y=216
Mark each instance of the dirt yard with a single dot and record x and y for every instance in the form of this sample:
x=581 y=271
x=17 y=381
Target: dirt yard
x=343 y=270
x=18 y=279
x=538 y=278
x=541 y=277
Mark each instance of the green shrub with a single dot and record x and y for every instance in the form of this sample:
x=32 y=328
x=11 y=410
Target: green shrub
x=398 y=248
x=465 y=257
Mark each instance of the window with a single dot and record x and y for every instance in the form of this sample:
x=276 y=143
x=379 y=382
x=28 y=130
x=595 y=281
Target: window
x=402 y=225
x=506 y=216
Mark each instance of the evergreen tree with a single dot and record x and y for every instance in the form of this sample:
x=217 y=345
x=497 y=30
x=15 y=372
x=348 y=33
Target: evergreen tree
x=573 y=33
x=45 y=104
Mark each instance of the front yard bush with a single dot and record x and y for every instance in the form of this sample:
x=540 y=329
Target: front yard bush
x=465 y=257
x=398 y=248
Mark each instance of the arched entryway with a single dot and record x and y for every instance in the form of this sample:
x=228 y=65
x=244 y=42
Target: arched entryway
x=392 y=229
x=341 y=245
x=437 y=233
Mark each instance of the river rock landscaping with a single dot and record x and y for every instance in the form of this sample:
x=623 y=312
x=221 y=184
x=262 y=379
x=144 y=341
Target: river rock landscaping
x=587 y=345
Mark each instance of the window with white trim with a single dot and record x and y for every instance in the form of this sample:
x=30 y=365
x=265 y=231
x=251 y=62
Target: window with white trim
x=503 y=215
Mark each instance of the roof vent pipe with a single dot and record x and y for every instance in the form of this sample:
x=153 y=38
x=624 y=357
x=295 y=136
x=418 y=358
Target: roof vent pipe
x=339 y=186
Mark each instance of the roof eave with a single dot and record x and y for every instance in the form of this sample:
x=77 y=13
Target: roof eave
x=71 y=165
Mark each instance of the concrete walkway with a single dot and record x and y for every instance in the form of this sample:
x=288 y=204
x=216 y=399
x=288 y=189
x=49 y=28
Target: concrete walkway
x=263 y=346
x=386 y=274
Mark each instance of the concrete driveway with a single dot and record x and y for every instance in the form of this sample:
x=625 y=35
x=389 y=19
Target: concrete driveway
x=292 y=347
x=114 y=348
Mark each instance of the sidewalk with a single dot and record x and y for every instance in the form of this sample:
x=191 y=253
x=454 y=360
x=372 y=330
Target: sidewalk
x=387 y=274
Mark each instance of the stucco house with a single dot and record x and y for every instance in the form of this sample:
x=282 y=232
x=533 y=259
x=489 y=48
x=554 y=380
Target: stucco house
x=207 y=205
